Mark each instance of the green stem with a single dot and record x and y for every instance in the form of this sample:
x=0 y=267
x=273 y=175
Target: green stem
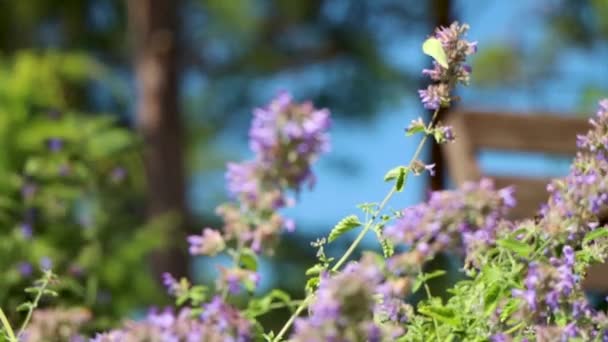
x=235 y=259
x=435 y=324
x=514 y=328
x=362 y=233
x=7 y=327
x=30 y=311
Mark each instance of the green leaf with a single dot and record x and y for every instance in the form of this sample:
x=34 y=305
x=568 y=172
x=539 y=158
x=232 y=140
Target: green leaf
x=248 y=260
x=433 y=48
x=414 y=129
x=509 y=308
x=595 y=234
x=401 y=179
x=24 y=307
x=394 y=173
x=417 y=284
x=50 y=293
x=312 y=284
x=316 y=269
x=434 y=274
x=346 y=224
x=440 y=313
x=388 y=249
x=516 y=246
x=490 y=298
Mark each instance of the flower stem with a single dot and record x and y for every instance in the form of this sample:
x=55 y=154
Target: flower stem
x=435 y=324
x=369 y=224
x=7 y=327
x=41 y=289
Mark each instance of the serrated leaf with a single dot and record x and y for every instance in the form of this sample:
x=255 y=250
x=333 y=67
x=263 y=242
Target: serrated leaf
x=432 y=47
x=516 y=246
x=388 y=249
x=595 y=234
x=346 y=224
x=248 y=260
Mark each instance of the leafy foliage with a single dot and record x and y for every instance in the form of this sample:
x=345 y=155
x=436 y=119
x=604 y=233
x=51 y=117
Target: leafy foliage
x=69 y=184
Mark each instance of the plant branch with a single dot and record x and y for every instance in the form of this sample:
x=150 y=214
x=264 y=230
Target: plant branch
x=364 y=231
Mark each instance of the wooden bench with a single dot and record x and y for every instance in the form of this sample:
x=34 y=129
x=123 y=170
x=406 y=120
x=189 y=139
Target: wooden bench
x=532 y=132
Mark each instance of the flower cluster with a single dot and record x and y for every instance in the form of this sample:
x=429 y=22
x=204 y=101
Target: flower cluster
x=575 y=203
x=345 y=303
x=456 y=49
x=463 y=220
x=548 y=287
x=219 y=322
x=286 y=138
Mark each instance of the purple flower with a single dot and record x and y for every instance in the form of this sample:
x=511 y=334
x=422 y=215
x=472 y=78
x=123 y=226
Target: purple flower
x=343 y=306
x=456 y=49
x=430 y=168
x=54 y=144
x=242 y=180
x=118 y=174
x=46 y=263
x=433 y=96
x=170 y=283
x=25 y=269
x=28 y=190
x=26 y=230
x=209 y=243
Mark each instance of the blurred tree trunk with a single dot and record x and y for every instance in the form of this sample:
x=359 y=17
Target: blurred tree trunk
x=154 y=29
x=442 y=16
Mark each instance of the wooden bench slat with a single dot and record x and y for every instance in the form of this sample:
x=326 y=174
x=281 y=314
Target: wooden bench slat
x=534 y=133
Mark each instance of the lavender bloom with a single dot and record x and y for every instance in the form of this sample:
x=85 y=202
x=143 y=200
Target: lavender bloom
x=26 y=230
x=456 y=49
x=170 y=283
x=286 y=138
x=343 y=307
x=54 y=144
x=284 y=126
x=46 y=263
x=25 y=269
x=234 y=279
x=462 y=220
x=209 y=243
x=576 y=200
x=435 y=96
x=242 y=180
x=219 y=322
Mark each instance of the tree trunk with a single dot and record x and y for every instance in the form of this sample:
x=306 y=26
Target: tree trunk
x=442 y=12
x=154 y=28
